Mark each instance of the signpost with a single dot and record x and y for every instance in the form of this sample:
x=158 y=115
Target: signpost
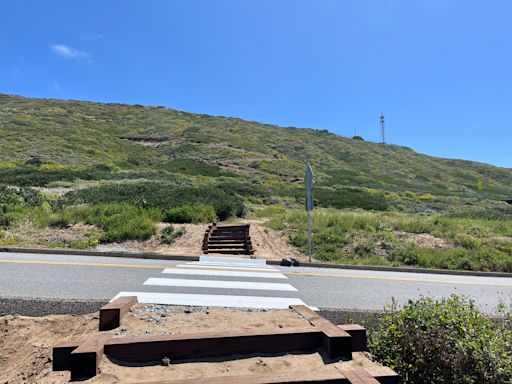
x=309 y=203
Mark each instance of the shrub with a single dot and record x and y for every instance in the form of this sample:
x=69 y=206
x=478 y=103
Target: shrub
x=199 y=213
x=169 y=234
x=119 y=222
x=350 y=198
x=163 y=196
x=181 y=214
x=444 y=341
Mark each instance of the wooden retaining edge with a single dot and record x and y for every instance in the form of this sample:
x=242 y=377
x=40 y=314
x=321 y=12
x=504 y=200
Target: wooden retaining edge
x=358 y=376
x=213 y=344
x=143 y=349
x=85 y=360
x=337 y=342
x=61 y=354
x=112 y=313
x=358 y=334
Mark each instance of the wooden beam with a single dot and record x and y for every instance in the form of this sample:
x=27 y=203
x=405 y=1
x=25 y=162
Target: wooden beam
x=356 y=375
x=112 y=313
x=213 y=344
x=61 y=354
x=358 y=334
x=337 y=342
x=85 y=360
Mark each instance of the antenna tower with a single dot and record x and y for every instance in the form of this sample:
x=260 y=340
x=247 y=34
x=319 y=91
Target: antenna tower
x=382 y=129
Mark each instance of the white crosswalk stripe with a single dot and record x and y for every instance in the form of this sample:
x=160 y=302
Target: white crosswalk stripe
x=214 y=300
x=219 y=276
x=219 y=284
x=228 y=273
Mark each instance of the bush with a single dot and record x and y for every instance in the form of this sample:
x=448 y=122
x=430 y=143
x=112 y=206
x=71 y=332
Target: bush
x=119 y=222
x=350 y=198
x=199 y=213
x=169 y=234
x=163 y=196
x=444 y=341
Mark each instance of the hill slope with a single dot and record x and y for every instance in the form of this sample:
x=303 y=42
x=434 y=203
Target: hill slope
x=161 y=143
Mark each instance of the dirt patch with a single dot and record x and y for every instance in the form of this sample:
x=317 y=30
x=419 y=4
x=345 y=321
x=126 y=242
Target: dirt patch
x=188 y=244
x=503 y=238
x=30 y=234
x=271 y=244
x=424 y=240
x=26 y=342
x=268 y=244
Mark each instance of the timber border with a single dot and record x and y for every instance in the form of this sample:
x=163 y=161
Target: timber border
x=83 y=356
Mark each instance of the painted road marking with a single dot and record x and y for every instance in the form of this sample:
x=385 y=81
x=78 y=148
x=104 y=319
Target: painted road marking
x=205 y=272
x=214 y=300
x=212 y=259
x=407 y=279
x=242 y=269
x=219 y=284
x=234 y=265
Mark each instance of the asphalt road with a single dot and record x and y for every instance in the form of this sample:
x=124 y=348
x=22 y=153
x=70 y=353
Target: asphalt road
x=102 y=278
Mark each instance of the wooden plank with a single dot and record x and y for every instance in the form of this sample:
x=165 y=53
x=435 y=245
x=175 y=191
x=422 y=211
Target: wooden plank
x=327 y=375
x=337 y=342
x=359 y=338
x=61 y=354
x=85 y=360
x=112 y=313
x=356 y=375
x=213 y=344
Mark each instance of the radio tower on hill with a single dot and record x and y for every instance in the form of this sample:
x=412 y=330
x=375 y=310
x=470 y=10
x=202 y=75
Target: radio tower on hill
x=382 y=128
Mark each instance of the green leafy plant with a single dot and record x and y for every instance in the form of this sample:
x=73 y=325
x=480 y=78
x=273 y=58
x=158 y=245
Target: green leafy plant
x=445 y=341
x=170 y=233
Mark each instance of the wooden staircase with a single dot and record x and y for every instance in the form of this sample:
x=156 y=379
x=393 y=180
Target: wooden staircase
x=228 y=239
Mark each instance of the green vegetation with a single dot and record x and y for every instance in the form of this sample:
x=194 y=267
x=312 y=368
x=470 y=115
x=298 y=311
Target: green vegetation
x=224 y=202
x=119 y=221
x=196 y=168
x=169 y=234
x=388 y=238
x=445 y=341
x=199 y=213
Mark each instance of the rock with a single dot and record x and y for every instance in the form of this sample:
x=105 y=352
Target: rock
x=166 y=361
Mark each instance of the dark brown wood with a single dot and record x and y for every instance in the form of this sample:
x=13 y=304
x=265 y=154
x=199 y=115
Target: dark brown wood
x=233 y=239
x=61 y=354
x=337 y=342
x=112 y=313
x=327 y=375
x=213 y=344
x=356 y=375
x=85 y=359
x=358 y=334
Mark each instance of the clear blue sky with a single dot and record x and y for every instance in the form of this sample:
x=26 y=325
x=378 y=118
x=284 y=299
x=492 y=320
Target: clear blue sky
x=440 y=70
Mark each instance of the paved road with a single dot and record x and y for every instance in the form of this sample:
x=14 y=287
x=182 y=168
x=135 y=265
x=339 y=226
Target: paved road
x=231 y=283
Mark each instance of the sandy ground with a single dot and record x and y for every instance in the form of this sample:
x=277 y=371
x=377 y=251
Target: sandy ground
x=268 y=243
x=25 y=345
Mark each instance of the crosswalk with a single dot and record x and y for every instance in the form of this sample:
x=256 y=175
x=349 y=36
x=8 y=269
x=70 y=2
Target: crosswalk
x=219 y=282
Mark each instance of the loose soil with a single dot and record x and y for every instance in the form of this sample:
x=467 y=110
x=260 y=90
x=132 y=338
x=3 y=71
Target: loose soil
x=26 y=342
x=268 y=243
x=425 y=240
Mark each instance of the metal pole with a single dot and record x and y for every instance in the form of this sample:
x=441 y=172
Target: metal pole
x=309 y=234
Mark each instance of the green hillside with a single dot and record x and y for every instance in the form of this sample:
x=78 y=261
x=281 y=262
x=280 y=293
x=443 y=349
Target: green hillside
x=159 y=142
x=160 y=158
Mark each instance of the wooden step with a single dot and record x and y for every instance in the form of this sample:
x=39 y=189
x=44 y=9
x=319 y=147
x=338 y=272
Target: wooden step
x=230 y=251
x=236 y=246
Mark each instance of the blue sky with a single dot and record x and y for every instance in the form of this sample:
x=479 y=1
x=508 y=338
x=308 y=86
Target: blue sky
x=440 y=70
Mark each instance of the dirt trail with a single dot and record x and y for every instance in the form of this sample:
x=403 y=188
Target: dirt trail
x=268 y=243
